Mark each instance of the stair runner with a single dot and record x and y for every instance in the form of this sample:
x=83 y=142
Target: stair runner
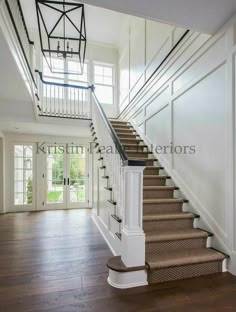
x=174 y=248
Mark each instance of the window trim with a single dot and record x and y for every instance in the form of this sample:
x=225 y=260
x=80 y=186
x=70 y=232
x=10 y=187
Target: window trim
x=11 y=206
x=113 y=86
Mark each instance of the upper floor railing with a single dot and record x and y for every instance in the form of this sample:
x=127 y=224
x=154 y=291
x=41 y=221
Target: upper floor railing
x=63 y=100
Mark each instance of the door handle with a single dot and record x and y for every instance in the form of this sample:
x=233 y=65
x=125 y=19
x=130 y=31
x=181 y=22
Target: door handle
x=68 y=181
x=64 y=181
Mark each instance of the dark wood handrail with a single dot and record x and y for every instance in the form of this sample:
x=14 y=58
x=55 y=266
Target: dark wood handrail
x=65 y=85
x=24 y=23
x=115 y=139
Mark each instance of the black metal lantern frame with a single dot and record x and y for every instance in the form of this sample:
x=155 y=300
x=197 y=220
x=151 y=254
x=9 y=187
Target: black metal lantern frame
x=55 y=40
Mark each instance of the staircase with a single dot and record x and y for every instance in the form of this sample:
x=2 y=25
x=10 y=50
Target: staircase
x=175 y=248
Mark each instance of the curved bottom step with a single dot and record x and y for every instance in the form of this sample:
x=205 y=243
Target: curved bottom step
x=184 y=264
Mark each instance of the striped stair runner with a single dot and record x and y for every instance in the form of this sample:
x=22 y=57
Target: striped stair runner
x=174 y=248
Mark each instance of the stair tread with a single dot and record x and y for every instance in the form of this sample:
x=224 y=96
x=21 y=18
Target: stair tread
x=183 y=257
x=130 y=144
x=124 y=129
x=163 y=200
x=139 y=152
x=175 y=235
x=160 y=188
x=168 y=216
x=145 y=159
x=129 y=139
x=155 y=176
x=118 y=121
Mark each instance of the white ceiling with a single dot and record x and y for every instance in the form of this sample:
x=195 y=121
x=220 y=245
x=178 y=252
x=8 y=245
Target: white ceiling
x=199 y=15
x=48 y=126
x=102 y=25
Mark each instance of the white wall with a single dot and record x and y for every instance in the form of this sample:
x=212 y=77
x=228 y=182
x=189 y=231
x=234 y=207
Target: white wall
x=143 y=45
x=39 y=165
x=191 y=102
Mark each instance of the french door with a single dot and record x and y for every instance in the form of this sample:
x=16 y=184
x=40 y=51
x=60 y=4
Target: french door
x=66 y=179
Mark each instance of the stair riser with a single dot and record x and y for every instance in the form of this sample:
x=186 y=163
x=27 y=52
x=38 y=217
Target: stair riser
x=154 y=182
x=149 y=162
x=158 y=208
x=137 y=154
x=121 y=127
x=119 y=123
x=137 y=150
x=151 y=171
x=182 y=272
x=155 y=194
x=165 y=225
x=124 y=131
x=126 y=136
x=174 y=245
x=128 y=141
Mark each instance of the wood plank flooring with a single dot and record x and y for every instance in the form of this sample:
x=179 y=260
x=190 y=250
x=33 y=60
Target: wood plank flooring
x=55 y=262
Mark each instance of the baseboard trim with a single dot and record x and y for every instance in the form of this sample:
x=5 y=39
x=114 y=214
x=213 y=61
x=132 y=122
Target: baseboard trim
x=104 y=230
x=127 y=280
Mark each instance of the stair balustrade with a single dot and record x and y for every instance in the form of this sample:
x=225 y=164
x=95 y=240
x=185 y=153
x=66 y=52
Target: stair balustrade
x=63 y=100
x=126 y=180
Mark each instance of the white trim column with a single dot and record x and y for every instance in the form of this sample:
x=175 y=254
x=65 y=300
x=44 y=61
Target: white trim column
x=133 y=237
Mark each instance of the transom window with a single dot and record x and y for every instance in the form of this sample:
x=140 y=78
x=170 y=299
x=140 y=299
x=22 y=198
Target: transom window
x=104 y=83
x=68 y=65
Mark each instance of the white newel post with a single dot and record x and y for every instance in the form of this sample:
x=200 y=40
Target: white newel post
x=133 y=237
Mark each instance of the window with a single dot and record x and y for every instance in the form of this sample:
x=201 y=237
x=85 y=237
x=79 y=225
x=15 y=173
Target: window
x=74 y=66
x=104 y=83
x=71 y=66
x=23 y=174
x=72 y=79
x=58 y=64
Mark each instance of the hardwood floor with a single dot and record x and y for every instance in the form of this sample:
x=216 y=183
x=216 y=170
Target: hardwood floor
x=55 y=262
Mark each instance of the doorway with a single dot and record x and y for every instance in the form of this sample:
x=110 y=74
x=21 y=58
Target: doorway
x=66 y=180
x=55 y=180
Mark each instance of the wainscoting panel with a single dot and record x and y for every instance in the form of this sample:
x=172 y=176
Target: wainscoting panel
x=187 y=104
x=158 y=130
x=199 y=121
x=198 y=66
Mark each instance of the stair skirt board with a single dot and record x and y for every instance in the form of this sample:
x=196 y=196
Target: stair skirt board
x=174 y=248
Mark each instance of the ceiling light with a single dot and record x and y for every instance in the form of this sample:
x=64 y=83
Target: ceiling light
x=62 y=32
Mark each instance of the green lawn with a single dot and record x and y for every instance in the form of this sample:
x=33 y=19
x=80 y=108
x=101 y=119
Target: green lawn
x=54 y=196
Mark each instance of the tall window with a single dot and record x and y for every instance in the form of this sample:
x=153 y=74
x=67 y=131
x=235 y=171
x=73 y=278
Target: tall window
x=72 y=79
x=23 y=174
x=76 y=79
x=104 y=83
x=58 y=64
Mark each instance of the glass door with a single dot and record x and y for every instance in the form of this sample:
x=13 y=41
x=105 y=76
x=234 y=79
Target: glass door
x=56 y=179
x=66 y=178
x=77 y=195
x=23 y=185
